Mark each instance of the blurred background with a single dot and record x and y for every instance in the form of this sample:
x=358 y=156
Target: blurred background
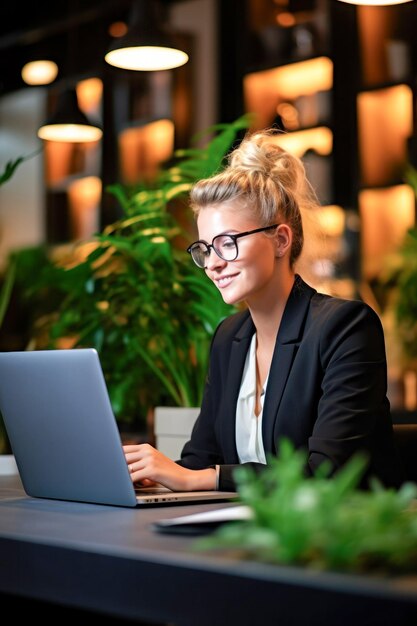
x=338 y=79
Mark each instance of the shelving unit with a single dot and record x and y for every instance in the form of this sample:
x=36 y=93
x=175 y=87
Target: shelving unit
x=354 y=125
x=349 y=116
x=295 y=95
x=386 y=205
x=385 y=114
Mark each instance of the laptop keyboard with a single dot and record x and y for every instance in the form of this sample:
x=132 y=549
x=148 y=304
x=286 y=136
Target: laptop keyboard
x=151 y=490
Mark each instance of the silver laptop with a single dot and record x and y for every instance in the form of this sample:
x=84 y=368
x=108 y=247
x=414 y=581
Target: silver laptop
x=63 y=433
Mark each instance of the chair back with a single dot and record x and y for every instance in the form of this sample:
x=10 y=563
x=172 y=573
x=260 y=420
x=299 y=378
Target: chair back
x=405 y=436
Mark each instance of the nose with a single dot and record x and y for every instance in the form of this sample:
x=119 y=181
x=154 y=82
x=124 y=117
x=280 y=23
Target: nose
x=213 y=260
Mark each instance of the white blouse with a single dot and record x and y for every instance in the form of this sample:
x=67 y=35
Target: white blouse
x=249 y=441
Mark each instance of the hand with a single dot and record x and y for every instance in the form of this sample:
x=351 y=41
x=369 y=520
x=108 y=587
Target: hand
x=149 y=466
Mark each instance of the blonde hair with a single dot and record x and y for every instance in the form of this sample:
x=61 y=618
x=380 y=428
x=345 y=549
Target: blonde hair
x=267 y=179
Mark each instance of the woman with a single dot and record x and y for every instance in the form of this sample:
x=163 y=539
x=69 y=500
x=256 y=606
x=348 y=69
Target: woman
x=294 y=363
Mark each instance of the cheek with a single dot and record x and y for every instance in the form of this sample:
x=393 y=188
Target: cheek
x=265 y=269
x=260 y=268
x=264 y=258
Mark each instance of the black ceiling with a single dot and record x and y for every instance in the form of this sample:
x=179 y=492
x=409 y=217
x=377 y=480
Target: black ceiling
x=72 y=33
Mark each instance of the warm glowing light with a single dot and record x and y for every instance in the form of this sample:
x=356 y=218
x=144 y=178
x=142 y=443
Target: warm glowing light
x=332 y=220
x=70 y=132
x=59 y=161
x=143 y=149
x=89 y=94
x=69 y=123
x=319 y=139
x=146 y=58
x=285 y=19
x=118 y=29
x=41 y=72
x=266 y=89
x=84 y=197
x=295 y=79
x=323 y=248
x=289 y=115
x=85 y=191
x=375 y=3
x=147 y=45
x=386 y=215
x=385 y=122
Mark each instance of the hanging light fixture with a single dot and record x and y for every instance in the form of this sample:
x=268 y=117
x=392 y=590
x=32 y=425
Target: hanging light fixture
x=147 y=46
x=376 y=3
x=40 y=72
x=40 y=68
x=69 y=123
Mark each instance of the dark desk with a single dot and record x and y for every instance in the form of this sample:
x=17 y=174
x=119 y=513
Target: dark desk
x=108 y=564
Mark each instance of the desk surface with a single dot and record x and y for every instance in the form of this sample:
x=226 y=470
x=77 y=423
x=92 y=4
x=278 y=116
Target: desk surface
x=109 y=560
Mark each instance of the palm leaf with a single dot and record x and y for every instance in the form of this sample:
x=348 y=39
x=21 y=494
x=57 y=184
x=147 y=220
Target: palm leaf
x=6 y=290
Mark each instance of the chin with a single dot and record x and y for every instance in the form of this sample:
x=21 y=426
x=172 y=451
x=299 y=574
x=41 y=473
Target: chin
x=230 y=299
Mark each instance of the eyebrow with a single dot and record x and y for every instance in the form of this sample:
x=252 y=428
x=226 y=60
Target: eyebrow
x=227 y=232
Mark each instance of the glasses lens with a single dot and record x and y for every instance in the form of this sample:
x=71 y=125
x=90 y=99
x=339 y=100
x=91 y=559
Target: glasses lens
x=225 y=247
x=199 y=253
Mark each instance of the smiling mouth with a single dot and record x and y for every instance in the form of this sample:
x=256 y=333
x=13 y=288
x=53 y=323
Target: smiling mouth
x=224 y=281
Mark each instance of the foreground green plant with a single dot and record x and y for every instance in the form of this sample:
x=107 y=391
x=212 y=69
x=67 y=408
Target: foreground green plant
x=321 y=522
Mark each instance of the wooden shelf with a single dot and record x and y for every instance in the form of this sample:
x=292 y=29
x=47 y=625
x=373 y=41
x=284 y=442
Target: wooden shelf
x=265 y=90
x=386 y=215
x=385 y=123
x=319 y=139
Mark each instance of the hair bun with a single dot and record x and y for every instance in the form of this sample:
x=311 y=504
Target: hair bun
x=260 y=152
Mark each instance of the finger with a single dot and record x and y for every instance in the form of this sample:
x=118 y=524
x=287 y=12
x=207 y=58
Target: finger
x=147 y=482
x=137 y=476
x=131 y=447
x=139 y=469
x=131 y=457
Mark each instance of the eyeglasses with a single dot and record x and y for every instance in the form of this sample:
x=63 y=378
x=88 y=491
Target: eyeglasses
x=225 y=246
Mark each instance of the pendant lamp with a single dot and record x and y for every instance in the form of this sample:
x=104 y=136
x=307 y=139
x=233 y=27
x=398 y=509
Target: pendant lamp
x=39 y=72
x=147 y=45
x=69 y=123
x=376 y=3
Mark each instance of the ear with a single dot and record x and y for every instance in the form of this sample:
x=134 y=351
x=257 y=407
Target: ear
x=283 y=240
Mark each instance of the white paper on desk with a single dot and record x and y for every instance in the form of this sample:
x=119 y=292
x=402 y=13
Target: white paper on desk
x=229 y=514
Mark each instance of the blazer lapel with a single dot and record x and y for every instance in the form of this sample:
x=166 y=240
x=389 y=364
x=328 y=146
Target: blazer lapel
x=286 y=346
x=289 y=335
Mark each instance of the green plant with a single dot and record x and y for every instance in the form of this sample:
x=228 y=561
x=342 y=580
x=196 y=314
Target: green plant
x=8 y=283
x=137 y=297
x=10 y=275
x=406 y=300
x=12 y=165
x=7 y=286
x=406 y=284
x=321 y=522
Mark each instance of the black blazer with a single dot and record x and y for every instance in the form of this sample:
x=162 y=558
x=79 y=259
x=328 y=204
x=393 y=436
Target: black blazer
x=326 y=389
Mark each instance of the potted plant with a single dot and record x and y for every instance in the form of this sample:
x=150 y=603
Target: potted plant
x=134 y=294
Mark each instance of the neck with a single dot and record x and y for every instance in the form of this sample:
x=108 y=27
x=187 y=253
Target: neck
x=267 y=312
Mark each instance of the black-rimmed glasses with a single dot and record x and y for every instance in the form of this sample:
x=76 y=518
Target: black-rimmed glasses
x=225 y=246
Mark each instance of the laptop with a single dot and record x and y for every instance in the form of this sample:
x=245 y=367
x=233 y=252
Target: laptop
x=64 y=435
